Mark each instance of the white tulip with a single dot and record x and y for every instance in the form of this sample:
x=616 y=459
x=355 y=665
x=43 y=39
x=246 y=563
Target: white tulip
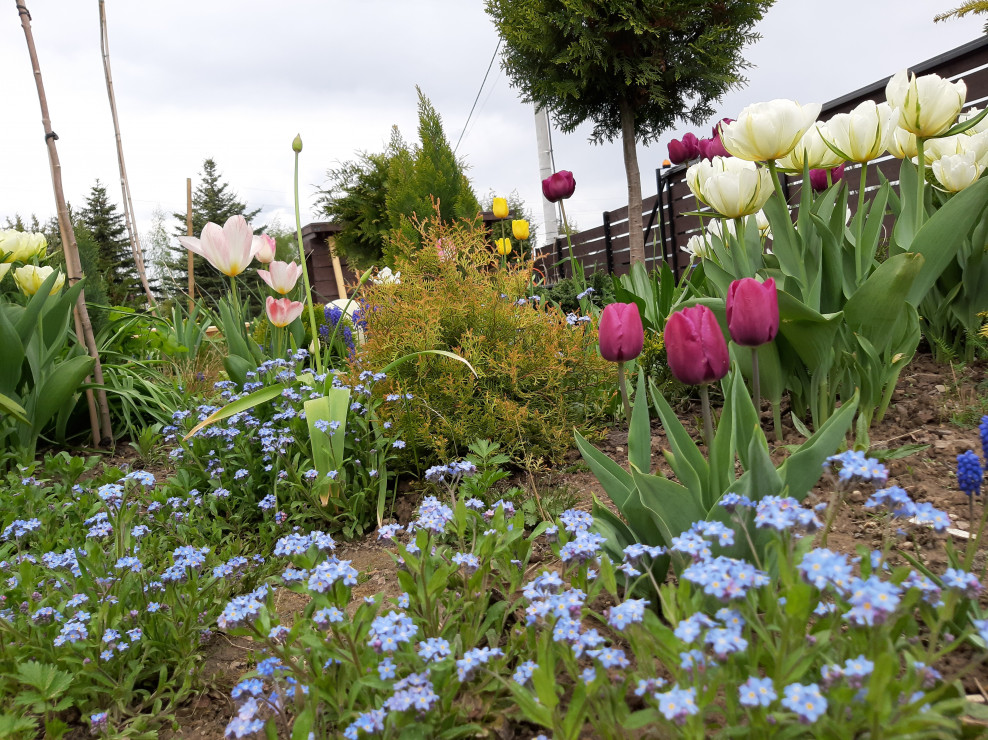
x=959 y=144
x=768 y=131
x=813 y=149
x=902 y=144
x=698 y=248
x=928 y=105
x=863 y=134
x=20 y=246
x=957 y=171
x=977 y=128
x=386 y=277
x=732 y=187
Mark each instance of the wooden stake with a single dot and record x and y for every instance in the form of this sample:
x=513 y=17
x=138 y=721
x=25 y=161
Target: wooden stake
x=188 y=232
x=337 y=267
x=128 y=207
x=101 y=426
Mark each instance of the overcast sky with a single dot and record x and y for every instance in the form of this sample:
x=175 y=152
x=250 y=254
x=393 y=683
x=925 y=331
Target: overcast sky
x=236 y=81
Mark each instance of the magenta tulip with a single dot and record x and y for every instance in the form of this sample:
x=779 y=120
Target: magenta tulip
x=695 y=346
x=710 y=148
x=752 y=312
x=685 y=150
x=818 y=178
x=558 y=186
x=283 y=311
x=620 y=332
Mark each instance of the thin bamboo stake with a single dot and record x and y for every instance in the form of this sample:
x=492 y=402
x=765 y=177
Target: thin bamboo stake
x=128 y=207
x=188 y=231
x=73 y=267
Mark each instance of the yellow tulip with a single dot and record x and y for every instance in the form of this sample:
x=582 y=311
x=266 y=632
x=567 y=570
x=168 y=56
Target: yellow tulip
x=29 y=279
x=520 y=229
x=20 y=246
x=500 y=208
x=503 y=247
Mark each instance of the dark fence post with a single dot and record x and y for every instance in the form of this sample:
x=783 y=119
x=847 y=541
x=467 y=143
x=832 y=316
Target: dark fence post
x=560 y=272
x=673 y=246
x=607 y=243
x=658 y=205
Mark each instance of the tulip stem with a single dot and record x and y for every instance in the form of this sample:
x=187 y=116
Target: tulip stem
x=569 y=243
x=739 y=237
x=859 y=217
x=623 y=385
x=756 y=385
x=708 y=422
x=317 y=352
x=920 y=182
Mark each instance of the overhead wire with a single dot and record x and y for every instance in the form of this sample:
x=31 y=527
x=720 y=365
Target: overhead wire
x=474 y=106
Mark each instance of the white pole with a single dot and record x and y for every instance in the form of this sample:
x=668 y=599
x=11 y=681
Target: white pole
x=545 y=170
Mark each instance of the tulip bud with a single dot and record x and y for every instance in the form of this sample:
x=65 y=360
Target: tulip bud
x=520 y=230
x=30 y=278
x=685 y=150
x=500 y=208
x=695 y=346
x=620 y=332
x=264 y=248
x=297 y=143
x=283 y=311
x=558 y=186
x=818 y=178
x=752 y=312
x=503 y=246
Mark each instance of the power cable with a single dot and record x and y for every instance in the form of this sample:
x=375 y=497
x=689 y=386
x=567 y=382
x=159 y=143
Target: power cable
x=469 y=115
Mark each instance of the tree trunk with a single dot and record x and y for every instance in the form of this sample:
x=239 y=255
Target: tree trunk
x=636 y=239
x=73 y=267
x=128 y=208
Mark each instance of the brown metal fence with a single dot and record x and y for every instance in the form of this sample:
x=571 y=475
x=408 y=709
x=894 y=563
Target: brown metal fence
x=667 y=228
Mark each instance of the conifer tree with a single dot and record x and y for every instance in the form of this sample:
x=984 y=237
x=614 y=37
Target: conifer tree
x=212 y=201
x=114 y=260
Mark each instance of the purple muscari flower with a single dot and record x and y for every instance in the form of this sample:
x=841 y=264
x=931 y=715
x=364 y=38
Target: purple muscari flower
x=969 y=473
x=983 y=431
x=757 y=692
x=806 y=701
x=677 y=704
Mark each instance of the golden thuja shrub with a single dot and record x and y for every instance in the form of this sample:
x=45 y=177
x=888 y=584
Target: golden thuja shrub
x=537 y=376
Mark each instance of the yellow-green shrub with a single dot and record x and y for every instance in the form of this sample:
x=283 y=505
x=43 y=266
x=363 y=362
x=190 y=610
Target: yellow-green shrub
x=538 y=376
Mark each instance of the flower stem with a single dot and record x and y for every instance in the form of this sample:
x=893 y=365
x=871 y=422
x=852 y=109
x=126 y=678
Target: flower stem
x=920 y=183
x=859 y=217
x=756 y=385
x=305 y=277
x=623 y=385
x=569 y=243
x=708 y=422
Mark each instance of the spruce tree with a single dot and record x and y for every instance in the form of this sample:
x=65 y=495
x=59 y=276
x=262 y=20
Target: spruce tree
x=114 y=259
x=212 y=201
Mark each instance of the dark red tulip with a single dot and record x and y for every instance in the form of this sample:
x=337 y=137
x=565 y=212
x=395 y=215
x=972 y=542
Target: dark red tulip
x=752 y=312
x=685 y=150
x=695 y=346
x=818 y=178
x=710 y=148
x=620 y=332
x=558 y=186
x=721 y=122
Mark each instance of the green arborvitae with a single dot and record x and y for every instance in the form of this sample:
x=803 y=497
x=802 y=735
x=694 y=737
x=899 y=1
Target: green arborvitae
x=378 y=196
x=114 y=257
x=632 y=68
x=212 y=201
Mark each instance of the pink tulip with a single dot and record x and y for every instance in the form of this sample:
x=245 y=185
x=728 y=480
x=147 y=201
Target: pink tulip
x=229 y=249
x=685 y=150
x=283 y=311
x=695 y=346
x=818 y=178
x=752 y=311
x=620 y=332
x=558 y=186
x=264 y=248
x=281 y=277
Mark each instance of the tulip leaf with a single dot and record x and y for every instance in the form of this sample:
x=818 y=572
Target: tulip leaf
x=811 y=334
x=673 y=507
x=57 y=389
x=328 y=447
x=876 y=308
x=10 y=407
x=944 y=234
x=12 y=356
x=640 y=430
x=786 y=243
x=401 y=360
x=962 y=126
x=803 y=468
x=687 y=462
x=235 y=407
x=616 y=481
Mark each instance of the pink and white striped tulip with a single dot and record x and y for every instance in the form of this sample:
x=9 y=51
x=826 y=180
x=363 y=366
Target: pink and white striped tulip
x=283 y=311
x=281 y=277
x=229 y=249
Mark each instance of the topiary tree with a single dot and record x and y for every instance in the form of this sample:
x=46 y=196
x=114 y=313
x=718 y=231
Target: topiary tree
x=631 y=67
